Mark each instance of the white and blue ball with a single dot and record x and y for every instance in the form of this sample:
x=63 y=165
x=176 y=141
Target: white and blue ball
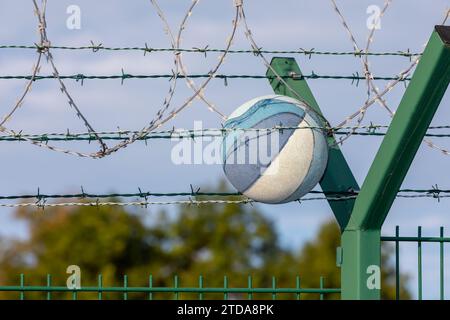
x=289 y=163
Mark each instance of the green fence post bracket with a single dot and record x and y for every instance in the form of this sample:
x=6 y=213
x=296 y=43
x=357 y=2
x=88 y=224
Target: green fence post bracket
x=361 y=220
x=338 y=176
x=361 y=238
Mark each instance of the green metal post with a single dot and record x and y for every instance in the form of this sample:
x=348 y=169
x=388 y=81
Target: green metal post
x=361 y=220
x=361 y=237
x=338 y=177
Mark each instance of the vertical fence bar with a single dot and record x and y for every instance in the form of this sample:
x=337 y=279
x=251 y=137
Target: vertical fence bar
x=397 y=263
x=419 y=261
x=49 y=284
x=175 y=280
x=297 y=285
x=322 y=285
x=441 y=264
x=250 y=294
x=150 y=285
x=125 y=286
x=225 y=286
x=74 y=294
x=200 y=285
x=274 y=287
x=22 y=282
x=100 y=286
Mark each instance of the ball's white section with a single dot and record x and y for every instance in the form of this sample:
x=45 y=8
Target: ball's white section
x=318 y=163
x=287 y=171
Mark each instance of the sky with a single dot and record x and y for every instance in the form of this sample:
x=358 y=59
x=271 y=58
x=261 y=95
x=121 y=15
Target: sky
x=276 y=25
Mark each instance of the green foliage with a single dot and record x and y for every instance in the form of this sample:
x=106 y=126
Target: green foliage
x=211 y=240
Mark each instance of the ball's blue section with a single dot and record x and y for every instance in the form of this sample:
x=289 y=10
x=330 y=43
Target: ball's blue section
x=261 y=110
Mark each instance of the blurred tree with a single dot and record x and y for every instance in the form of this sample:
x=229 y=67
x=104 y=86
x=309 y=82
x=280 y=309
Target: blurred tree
x=102 y=240
x=208 y=240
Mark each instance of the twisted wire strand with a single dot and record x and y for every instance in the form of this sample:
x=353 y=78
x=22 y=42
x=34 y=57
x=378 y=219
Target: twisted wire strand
x=402 y=75
x=313 y=75
x=28 y=87
x=146 y=49
x=402 y=193
x=177 y=43
x=43 y=32
x=155 y=125
x=40 y=12
x=20 y=101
x=175 y=134
x=43 y=204
x=256 y=48
x=446 y=16
x=365 y=62
x=371 y=87
x=105 y=150
x=41 y=50
x=123 y=204
x=45 y=45
x=429 y=142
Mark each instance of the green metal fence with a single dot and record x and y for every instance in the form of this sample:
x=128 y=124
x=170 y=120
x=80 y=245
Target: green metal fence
x=175 y=292
x=49 y=291
x=419 y=239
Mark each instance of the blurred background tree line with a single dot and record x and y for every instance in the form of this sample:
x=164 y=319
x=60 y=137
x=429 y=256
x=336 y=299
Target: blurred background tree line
x=208 y=240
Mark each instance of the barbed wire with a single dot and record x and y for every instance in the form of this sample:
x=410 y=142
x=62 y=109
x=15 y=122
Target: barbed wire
x=369 y=102
x=157 y=122
x=369 y=130
x=435 y=192
x=40 y=13
x=206 y=49
x=355 y=77
x=123 y=204
x=176 y=43
x=371 y=87
x=45 y=46
x=254 y=45
x=364 y=59
x=42 y=201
